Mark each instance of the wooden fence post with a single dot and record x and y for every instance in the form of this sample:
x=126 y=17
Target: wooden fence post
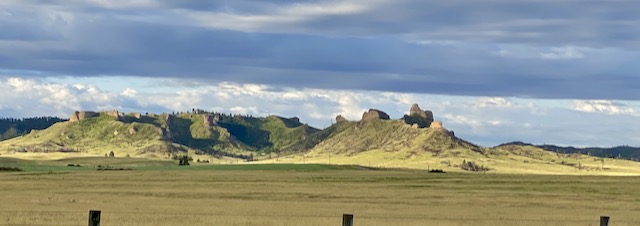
x=94 y=217
x=604 y=221
x=347 y=219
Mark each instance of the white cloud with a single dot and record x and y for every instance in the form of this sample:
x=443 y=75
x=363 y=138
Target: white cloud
x=244 y=110
x=33 y=98
x=484 y=120
x=278 y=17
x=128 y=92
x=603 y=106
x=499 y=102
x=563 y=53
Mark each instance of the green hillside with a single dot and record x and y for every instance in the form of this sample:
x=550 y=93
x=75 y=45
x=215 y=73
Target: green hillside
x=417 y=141
x=11 y=127
x=390 y=136
x=164 y=135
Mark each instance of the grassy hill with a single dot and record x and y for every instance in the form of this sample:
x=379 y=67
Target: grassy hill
x=621 y=152
x=222 y=138
x=11 y=127
x=394 y=144
x=165 y=135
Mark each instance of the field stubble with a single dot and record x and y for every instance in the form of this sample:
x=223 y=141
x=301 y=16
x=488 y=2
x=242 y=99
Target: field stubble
x=375 y=197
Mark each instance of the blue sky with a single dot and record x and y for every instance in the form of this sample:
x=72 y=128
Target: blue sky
x=494 y=71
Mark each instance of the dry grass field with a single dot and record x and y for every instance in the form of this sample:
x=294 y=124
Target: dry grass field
x=314 y=195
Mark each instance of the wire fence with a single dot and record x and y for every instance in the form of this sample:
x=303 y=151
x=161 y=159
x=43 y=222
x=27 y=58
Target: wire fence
x=71 y=218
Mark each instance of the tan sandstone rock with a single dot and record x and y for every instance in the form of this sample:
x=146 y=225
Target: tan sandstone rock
x=436 y=124
x=373 y=114
x=78 y=116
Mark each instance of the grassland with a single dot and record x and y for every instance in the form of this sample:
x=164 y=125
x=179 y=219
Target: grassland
x=282 y=194
x=524 y=160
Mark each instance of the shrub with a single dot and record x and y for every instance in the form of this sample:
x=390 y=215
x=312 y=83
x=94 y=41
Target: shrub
x=10 y=169
x=472 y=166
x=184 y=160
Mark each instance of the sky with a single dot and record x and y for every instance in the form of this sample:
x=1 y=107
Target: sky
x=494 y=71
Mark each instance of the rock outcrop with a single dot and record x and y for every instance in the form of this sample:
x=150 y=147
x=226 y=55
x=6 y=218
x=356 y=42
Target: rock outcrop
x=169 y=127
x=133 y=131
x=78 y=116
x=373 y=114
x=417 y=116
x=436 y=124
x=136 y=115
x=116 y=114
x=340 y=119
x=415 y=110
x=211 y=120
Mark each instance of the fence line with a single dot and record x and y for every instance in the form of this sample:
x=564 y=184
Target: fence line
x=94 y=217
x=311 y=216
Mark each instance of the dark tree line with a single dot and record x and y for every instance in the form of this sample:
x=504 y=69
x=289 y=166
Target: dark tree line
x=13 y=127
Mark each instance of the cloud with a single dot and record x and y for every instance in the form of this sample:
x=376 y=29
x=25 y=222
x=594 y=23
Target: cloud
x=494 y=102
x=604 y=106
x=283 y=18
x=564 y=53
x=484 y=120
x=129 y=92
x=471 y=48
x=31 y=98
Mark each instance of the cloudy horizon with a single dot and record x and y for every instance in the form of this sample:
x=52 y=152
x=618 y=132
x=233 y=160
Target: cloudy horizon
x=540 y=71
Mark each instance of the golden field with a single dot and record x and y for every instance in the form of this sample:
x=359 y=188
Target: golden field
x=284 y=194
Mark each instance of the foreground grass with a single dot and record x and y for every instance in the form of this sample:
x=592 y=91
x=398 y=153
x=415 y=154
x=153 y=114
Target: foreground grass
x=314 y=195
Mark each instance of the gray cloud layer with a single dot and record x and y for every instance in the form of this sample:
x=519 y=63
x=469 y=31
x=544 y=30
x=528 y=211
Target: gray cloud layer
x=539 y=49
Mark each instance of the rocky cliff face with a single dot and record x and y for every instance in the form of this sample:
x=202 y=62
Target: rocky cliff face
x=136 y=115
x=417 y=116
x=78 y=116
x=211 y=120
x=436 y=124
x=116 y=114
x=374 y=114
x=340 y=119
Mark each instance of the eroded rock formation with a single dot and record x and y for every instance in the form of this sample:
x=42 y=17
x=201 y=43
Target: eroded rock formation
x=436 y=124
x=373 y=114
x=417 y=116
x=340 y=119
x=116 y=114
x=78 y=116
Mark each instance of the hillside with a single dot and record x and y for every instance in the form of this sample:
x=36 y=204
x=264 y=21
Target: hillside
x=165 y=135
x=437 y=148
x=619 y=152
x=414 y=141
x=378 y=141
x=10 y=127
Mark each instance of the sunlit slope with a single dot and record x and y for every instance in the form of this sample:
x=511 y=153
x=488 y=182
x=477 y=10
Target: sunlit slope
x=391 y=143
x=93 y=136
x=160 y=136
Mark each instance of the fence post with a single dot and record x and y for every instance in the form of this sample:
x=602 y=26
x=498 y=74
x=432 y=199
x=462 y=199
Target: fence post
x=94 y=217
x=347 y=219
x=604 y=221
